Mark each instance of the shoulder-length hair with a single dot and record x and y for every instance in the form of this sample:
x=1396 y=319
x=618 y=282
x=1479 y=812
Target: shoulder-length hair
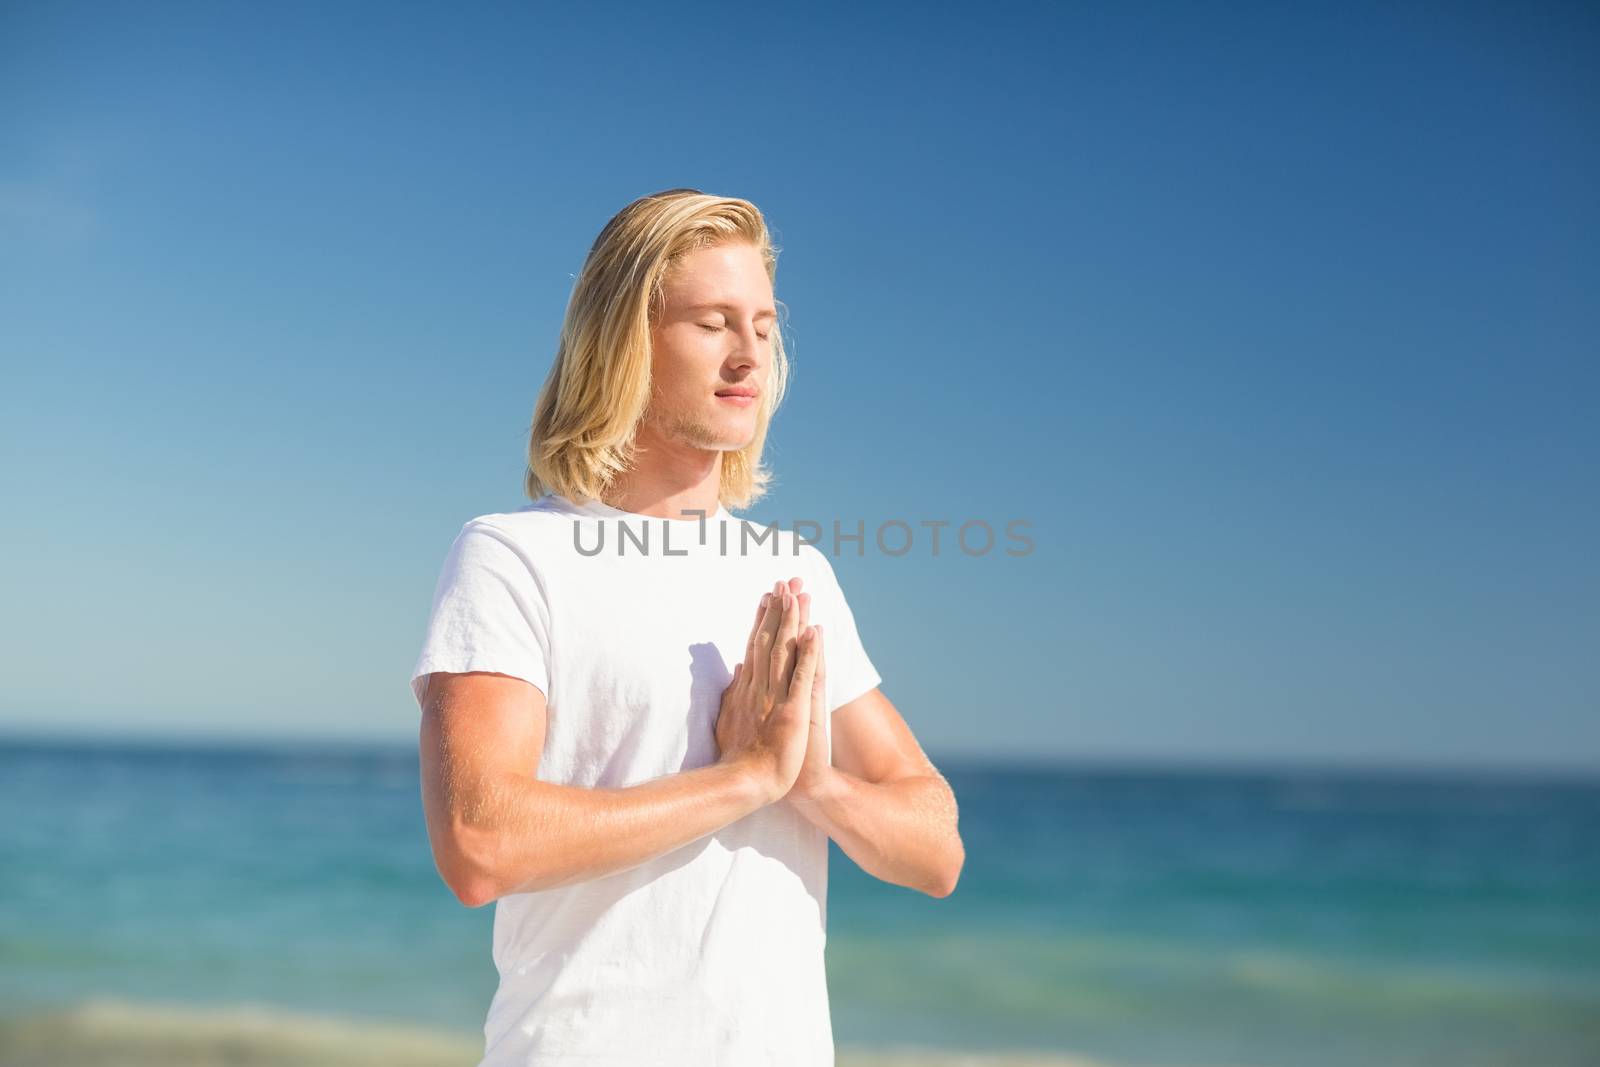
x=591 y=403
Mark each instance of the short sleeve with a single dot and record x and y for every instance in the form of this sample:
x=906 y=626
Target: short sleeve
x=489 y=612
x=850 y=671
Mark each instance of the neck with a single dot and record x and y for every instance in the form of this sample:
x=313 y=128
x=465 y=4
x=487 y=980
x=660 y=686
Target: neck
x=667 y=478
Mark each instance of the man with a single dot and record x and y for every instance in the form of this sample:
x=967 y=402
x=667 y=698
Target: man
x=641 y=725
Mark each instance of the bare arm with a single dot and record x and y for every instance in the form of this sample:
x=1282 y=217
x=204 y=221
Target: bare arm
x=496 y=829
x=884 y=802
x=877 y=795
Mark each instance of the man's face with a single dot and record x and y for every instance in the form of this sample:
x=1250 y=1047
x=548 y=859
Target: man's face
x=712 y=348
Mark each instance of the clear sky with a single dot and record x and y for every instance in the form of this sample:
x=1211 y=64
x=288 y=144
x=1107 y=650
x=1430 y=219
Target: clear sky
x=1276 y=322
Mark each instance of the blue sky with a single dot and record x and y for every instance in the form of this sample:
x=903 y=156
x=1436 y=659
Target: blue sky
x=1278 y=326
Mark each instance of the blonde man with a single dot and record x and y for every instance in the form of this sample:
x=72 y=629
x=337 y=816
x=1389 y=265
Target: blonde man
x=641 y=724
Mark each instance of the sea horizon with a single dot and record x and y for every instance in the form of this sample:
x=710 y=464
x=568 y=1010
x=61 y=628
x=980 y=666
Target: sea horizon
x=185 y=738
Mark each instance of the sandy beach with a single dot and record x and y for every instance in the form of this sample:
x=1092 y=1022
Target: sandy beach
x=107 y=1032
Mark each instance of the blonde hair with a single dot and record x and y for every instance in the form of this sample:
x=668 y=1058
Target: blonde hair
x=590 y=406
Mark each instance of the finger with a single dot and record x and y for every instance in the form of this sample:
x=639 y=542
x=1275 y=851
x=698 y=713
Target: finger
x=803 y=603
x=766 y=637
x=805 y=666
x=783 y=645
x=761 y=613
x=783 y=651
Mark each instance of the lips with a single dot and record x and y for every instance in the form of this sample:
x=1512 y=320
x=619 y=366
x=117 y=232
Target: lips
x=738 y=390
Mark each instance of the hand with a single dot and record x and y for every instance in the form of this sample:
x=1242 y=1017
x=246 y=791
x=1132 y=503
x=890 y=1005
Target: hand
x=818 y=764
x=765 y=718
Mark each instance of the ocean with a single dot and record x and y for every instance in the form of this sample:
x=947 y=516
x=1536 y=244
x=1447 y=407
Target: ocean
x=1131 y=915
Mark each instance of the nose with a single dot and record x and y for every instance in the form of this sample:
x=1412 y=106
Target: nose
x=751 y=351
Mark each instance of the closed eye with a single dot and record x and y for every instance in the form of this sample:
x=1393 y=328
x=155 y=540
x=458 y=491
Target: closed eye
x=718 y=329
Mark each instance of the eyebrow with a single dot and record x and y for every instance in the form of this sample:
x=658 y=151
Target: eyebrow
x=769 y=313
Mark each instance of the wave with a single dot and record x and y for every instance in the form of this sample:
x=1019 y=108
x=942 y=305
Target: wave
x=106 y=1031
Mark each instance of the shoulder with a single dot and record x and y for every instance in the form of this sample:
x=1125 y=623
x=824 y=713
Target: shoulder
x=811 y=553
x=542 y=512
x=512 y=542
x=538 y=526
x=816 y=565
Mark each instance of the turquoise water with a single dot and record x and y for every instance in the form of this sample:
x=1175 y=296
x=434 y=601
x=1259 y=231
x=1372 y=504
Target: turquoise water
x=1289 y=918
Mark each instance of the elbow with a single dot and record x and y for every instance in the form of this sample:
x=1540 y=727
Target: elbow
x=467 y=874
x=473 y=888
x=950 y=874
x=474 y=894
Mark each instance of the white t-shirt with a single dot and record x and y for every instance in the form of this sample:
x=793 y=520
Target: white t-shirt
x=710 y=954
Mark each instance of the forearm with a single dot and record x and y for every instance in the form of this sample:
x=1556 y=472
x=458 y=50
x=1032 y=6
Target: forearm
x=902 y=831
x=524 y=835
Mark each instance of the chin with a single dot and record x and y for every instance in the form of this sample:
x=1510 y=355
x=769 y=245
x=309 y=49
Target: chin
x=715 y=438
x=734 y=442
x=735 y=432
